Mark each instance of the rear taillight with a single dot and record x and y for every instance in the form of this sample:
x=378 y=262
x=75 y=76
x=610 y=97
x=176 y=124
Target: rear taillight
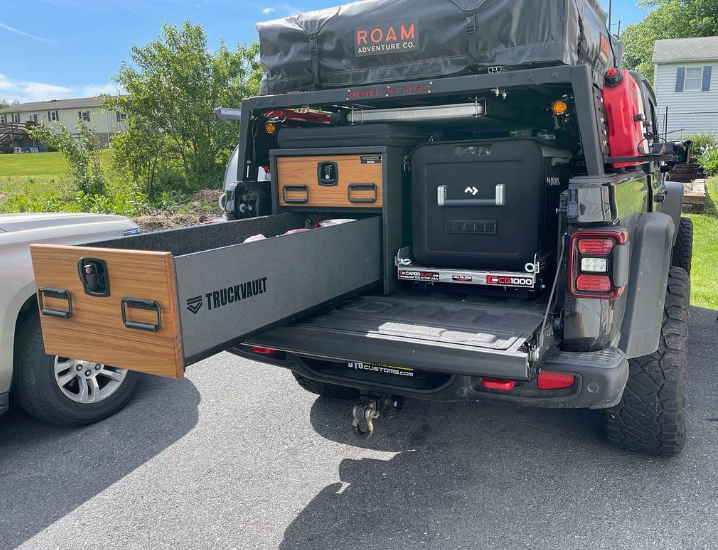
x=555 y=380
x=598 y=263
x=263 y=351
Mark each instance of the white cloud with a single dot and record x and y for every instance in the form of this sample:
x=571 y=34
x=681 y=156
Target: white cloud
x=25 y=91
x=23 y=33
x=267 y=11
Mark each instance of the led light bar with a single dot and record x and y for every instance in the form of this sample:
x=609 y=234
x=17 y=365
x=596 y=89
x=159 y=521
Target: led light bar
x=420 y=114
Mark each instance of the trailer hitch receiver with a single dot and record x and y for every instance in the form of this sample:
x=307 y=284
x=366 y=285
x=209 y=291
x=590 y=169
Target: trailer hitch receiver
x=369 y=409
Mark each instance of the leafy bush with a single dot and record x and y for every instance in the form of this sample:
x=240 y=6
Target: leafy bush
x=80 y=150
x=701 y=143
x=709 y=161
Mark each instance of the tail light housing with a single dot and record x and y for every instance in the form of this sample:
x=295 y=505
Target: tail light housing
x=598 y=263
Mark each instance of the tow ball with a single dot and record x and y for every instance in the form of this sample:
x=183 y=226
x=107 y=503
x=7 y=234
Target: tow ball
x=369 y=409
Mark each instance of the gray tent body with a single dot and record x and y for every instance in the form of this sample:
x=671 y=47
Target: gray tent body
x=384 y=41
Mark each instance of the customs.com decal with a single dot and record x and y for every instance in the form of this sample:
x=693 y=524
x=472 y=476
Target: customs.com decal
x=389 y=38
x=226 y=296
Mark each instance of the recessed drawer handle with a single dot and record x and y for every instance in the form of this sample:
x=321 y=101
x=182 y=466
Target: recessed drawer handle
x=499 y=200
x=295 y=189
x=57 y=294
x=145 y=305
x=357 y=187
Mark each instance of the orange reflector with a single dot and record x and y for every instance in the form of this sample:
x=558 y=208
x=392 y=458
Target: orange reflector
x=264 y=351
x=593 y=283
x=559 y=107
x=555 y=380
x=599 y=247
x=498 y=385
x=270 y=127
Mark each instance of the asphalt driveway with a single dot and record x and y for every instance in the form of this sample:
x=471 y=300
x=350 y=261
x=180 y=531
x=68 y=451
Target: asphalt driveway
x=238 y=456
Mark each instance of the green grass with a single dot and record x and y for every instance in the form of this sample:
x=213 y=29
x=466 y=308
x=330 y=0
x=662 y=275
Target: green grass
x=38 y=164
x=35 y=164
x=704 y=283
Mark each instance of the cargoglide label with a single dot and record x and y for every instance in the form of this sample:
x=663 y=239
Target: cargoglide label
x=388 y=38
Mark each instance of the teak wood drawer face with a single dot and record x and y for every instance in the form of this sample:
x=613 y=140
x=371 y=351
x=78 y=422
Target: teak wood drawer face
x=95 y=330
x=357 y=181
x=164 y=311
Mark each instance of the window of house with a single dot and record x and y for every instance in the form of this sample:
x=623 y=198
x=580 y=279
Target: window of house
x=694 y=79
x=84 y=116
x=121 y=117
x=3 y=119
x=32 y=118
x=16 y=118
x=53 y=116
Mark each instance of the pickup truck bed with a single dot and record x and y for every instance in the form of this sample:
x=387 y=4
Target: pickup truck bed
x=481 y=335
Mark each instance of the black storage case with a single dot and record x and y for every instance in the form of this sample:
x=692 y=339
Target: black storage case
x=455 y=219
x=358 y=135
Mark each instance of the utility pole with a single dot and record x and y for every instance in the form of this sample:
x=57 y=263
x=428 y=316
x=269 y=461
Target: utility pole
x=610 y=15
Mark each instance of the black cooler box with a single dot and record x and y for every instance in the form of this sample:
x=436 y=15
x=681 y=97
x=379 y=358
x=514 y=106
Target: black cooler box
x=486 y=204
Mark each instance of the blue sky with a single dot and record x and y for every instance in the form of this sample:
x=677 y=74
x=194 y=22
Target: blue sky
x=54 y=49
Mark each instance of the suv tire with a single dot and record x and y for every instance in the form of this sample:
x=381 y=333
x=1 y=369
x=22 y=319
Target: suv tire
x=36 y=390
x=651 y=415
x=332 y=391
x=683 y=249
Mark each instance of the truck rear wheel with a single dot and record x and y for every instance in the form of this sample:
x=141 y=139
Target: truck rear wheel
x=683 y=249
x=326 y=390
x=651 y=415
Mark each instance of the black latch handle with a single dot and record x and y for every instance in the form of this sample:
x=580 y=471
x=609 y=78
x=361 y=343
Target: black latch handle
x=295 y=189
x=145 y=305
x=359 y=187
x=56 y=294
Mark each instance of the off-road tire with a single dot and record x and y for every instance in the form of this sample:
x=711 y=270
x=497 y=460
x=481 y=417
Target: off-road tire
x=683 y=249
x=326 y=390
x=651 y=415
x=34 y=387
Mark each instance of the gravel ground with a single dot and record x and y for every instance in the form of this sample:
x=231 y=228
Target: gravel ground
x=238 y=456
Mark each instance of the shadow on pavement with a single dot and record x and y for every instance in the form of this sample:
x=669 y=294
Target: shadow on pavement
x=48 y=471
x=476 y=475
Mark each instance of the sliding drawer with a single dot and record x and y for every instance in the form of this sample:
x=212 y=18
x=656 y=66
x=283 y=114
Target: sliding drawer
x=156 y=303
x=331 y=181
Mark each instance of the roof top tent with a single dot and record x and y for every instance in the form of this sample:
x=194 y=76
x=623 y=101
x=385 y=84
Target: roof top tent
x=384 y=41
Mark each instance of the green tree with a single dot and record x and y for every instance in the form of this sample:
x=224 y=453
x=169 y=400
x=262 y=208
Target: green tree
x=668 y=19
x=80 y=150
x=173 y=85
x=4 y=103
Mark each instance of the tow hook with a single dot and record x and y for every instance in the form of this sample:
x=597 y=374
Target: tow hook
x=369 y=409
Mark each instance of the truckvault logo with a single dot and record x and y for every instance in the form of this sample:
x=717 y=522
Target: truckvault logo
x=220 y=298
x=388 y=38
x=194 y=304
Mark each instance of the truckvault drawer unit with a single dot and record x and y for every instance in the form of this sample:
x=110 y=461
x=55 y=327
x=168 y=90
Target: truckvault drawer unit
x=337 y=181
x=158 y=302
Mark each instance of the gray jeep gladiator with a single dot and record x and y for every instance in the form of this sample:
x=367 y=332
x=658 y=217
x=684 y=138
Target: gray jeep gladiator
x=454 y=201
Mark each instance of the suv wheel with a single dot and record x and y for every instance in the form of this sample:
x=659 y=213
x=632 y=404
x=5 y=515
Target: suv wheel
x=651 y=415
x=64 y=391
x=326 y=390
x=683 y=249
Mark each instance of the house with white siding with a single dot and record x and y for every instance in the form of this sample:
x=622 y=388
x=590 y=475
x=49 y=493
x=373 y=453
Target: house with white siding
x=69 y=113
x=686 y=84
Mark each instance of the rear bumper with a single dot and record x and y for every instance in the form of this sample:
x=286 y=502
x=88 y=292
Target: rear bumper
x=600 y=378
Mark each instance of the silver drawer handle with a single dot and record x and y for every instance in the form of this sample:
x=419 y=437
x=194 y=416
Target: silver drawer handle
x=500 y=199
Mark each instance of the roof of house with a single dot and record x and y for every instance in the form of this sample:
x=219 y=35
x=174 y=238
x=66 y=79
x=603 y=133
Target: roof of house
x=685 y=49
x=54 y=104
